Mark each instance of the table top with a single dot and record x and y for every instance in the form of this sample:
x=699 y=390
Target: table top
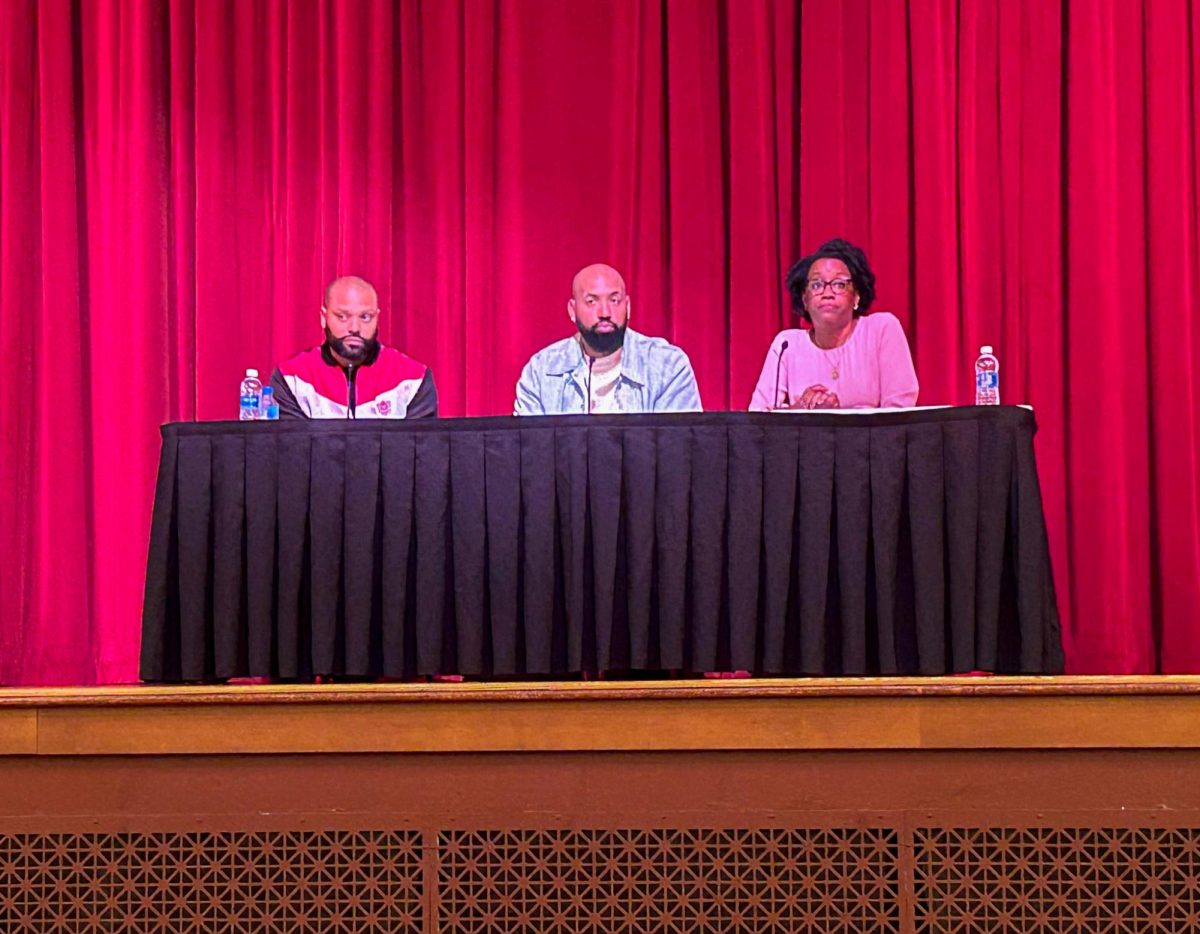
x=1016 y=416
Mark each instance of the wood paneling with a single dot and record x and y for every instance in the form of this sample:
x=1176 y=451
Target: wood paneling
x=960 y=713
x=18 y=731
x=953 y=804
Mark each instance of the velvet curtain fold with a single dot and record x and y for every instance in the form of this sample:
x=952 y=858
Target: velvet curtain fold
x=179 y=179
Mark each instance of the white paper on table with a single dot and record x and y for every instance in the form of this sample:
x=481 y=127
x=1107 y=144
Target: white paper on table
x=873 y=411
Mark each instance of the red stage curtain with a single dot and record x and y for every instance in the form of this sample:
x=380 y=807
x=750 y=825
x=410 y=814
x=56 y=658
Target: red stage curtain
x=179 y=179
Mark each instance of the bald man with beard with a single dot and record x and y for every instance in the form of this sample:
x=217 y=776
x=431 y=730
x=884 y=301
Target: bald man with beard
x=606 y=367
x=352 y=375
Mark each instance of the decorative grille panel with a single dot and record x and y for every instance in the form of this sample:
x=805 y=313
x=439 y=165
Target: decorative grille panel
x=1051 y=880
x=333 y=881
x=842 y=880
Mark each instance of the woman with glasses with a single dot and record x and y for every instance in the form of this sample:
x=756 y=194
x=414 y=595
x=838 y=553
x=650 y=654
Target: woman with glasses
x=848 y=359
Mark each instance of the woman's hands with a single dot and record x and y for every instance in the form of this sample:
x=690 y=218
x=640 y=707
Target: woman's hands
x=814 y=397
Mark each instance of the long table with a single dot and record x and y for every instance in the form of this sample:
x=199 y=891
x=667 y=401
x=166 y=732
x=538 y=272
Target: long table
x=900 y=542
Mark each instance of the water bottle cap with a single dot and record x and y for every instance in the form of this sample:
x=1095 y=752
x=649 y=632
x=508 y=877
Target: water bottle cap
x=986 y=348
x=252 y=372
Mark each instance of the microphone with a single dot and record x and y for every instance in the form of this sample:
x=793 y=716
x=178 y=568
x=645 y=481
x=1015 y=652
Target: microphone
x=351 y=392
x=778 y=365
x=591 y=360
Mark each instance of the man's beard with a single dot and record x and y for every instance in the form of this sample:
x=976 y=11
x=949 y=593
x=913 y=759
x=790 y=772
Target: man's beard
x=602 y=343
x=354 y=353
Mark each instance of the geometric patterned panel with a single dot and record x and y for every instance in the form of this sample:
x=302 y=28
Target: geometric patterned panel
x=360 y=881
x=845 y=880
x=1044 y=880
x=842 y=880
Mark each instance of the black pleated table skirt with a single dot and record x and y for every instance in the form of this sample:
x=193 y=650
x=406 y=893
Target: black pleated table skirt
x=900 y=542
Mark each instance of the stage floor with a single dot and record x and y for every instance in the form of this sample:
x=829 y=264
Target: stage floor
x=1084 y=712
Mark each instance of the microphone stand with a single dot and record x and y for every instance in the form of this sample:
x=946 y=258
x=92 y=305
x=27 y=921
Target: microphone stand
x=778 y=365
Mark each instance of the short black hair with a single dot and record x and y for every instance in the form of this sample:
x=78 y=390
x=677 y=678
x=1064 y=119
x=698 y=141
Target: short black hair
x=855 y=259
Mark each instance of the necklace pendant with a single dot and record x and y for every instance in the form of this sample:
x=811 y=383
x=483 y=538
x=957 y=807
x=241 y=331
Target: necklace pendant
x=835 y=372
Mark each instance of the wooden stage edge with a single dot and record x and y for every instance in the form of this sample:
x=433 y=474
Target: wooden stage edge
x=758 y=714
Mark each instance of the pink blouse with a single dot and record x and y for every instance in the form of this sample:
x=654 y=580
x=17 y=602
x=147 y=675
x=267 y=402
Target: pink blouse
x=874 y=369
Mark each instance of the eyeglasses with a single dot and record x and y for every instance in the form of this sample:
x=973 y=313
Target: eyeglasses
x=817 y=286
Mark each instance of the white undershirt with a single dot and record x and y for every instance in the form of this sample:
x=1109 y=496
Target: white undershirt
x=605 y=374
x=604 y=397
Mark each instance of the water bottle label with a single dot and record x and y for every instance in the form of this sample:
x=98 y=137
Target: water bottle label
x=987 y=380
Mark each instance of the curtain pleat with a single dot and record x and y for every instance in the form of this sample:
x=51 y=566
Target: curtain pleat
x=707 y=553
x=503 y=542
x=294 y=550
x=639 y=483
x=925 y=501
x=397 y=561
x=262 y=522
x=229 y=469
x=605 y=492
x=745 y=555
x=852 y=522
x=361 y=543
x=435 y=569
x=888 y=466
x=542 y=573
x=469 y=548
x=192 y=524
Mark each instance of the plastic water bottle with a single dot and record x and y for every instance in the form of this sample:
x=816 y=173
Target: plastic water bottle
x=270 y=410
x=987 y=377
x=251 y=397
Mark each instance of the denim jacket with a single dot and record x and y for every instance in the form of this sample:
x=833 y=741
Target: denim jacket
x=655 y=376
